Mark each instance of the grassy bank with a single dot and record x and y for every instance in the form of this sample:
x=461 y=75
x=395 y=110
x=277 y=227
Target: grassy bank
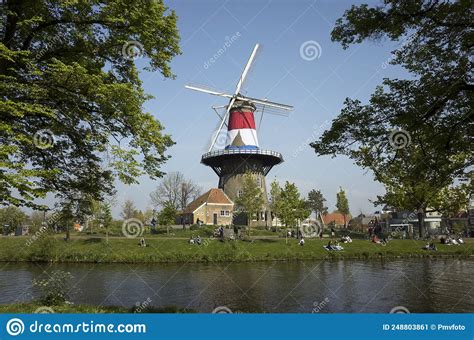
x=95 y=249
x=34 y=307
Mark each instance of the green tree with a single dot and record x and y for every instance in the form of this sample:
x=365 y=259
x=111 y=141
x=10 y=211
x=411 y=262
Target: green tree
x=342 y=204
x=292 y=207
x=36 y=219
x=13 y=217
x=414 y=134
x=106 y=219
x=72 y=104
x=167 y=215
x=316 y=202
x=452 y=200
x=275 y=198
x=251 y=200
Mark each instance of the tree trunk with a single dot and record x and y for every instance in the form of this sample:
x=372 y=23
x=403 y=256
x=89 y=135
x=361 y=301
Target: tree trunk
x=421 y=223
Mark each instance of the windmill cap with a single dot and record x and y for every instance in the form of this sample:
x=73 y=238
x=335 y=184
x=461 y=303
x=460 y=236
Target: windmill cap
x=243 y=105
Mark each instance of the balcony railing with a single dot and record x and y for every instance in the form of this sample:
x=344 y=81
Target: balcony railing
x=242 y=151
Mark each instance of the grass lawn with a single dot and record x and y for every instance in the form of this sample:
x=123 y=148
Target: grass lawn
x=165 y=249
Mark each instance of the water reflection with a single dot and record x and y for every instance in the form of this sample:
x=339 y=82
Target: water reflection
x=421 y=285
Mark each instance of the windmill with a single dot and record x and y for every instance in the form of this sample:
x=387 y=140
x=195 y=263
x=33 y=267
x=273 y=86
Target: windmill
x=242 y=152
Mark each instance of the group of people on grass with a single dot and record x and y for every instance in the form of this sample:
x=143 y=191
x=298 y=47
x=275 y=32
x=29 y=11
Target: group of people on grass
x=375 y=231
x=451 y=240
x=448 y=240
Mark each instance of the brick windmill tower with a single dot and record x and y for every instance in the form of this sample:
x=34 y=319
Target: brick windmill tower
x=241 y=152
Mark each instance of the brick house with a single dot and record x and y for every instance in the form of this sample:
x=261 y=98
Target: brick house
x=213 y=207
x=336 y=218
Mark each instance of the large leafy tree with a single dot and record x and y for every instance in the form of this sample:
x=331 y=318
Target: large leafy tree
x=70 y=95
x=416 y=135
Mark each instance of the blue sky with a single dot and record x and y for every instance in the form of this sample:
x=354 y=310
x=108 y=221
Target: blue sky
x=316 y=88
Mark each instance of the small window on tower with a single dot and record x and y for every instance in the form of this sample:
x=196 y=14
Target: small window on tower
x=259 y=182
x=240 y=193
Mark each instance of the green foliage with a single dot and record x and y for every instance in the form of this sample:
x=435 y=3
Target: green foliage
x=342 y=204
x=416 y=134
x=251 y=201
x=290 y=206
x=54 y=287
x=44 y=248
x=167 y=215
x=13 y=217
x=454 y=199
x=275 y=197
x=316 y=201
x=72 y=116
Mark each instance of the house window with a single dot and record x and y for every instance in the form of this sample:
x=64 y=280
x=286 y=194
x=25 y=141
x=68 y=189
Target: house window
x=227 y=212
x=222 y=213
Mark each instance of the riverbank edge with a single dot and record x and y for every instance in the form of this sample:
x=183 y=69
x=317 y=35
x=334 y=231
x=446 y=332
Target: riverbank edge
x=35 y=307
x=335 y=257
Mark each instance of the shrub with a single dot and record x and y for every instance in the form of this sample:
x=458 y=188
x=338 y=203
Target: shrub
x=55 y=288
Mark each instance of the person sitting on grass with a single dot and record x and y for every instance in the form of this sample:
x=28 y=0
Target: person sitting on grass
x=337 y=247
x=346 y=239
x=191 y=240
x=329 y=245
x=198 y=240
x=375 y=239
x=142 y=242
x=301 y=242
x=430 y=246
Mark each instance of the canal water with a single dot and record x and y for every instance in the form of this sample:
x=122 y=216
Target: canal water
x=419 y=285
